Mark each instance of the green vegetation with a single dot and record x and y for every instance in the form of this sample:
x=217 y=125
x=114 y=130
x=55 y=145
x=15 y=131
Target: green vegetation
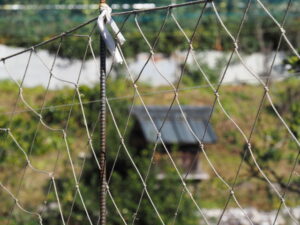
x=273 y=147
x=26 y=28
x=294 y=64
x=274 y=150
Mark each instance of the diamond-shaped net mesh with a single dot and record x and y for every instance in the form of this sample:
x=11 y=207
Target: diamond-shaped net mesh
x=44 y=173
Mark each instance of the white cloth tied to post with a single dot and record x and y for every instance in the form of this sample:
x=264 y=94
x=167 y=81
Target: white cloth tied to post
x=103 y=19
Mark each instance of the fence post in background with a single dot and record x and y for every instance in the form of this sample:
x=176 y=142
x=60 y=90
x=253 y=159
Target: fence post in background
x=102 y=128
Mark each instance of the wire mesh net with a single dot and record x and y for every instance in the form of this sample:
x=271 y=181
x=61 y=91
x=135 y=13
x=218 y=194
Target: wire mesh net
x=57 y=161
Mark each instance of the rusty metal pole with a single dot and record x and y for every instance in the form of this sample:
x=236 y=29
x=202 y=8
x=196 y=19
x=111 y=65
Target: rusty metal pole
x=103 y=190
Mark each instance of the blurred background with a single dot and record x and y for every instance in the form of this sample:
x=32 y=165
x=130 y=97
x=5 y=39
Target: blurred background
x=28 y=22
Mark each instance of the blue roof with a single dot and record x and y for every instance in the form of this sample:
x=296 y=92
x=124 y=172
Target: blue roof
x=175 y=130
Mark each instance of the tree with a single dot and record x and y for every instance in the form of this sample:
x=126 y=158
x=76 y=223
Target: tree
x=277 y=146
x=293 y=63
x=125 y=184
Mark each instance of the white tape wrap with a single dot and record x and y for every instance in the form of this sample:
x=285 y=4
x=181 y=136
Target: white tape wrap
x=105 y=17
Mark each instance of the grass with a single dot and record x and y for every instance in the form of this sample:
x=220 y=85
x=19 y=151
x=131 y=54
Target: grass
x=240 y=101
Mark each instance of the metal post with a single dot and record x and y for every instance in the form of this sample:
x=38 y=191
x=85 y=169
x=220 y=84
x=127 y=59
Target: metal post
x=102 y=129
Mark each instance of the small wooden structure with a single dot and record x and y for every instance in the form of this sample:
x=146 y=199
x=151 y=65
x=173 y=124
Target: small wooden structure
x=178 y=134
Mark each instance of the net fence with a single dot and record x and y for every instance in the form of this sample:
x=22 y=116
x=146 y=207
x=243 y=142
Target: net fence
x=60 y=187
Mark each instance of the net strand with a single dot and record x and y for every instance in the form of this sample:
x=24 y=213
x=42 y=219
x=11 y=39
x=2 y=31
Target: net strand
x=158 y=134
x=38 y=126
x=138 y=96
x=131 y=12
x=191 y=47
x=20 y=95
x=274 y=109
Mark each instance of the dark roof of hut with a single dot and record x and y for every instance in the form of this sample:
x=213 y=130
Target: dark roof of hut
x=176 y=130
